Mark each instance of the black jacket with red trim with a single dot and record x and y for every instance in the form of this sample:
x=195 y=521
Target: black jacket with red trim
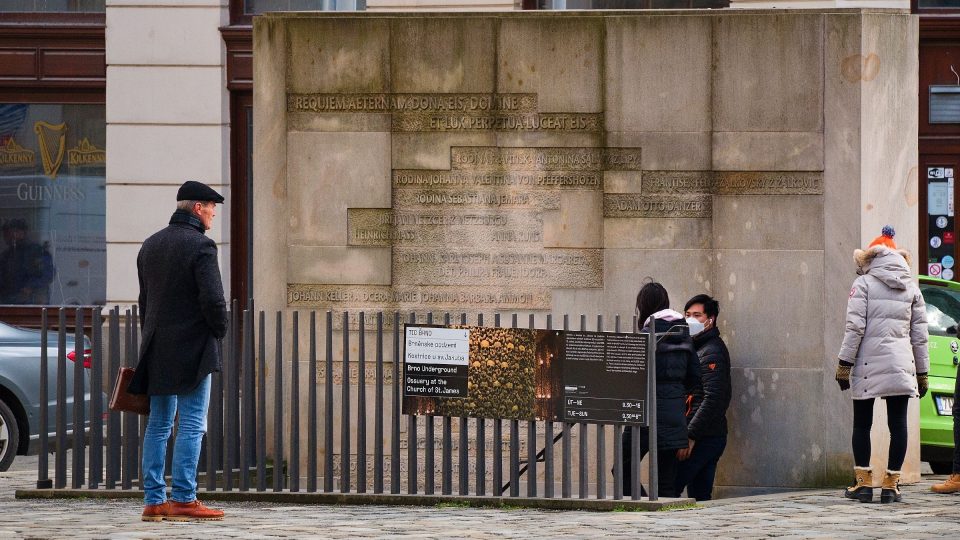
x=708 y=401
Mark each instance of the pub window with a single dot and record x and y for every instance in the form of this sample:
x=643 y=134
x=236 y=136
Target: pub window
x=53 y=6
x=628 y=4
x=938 y=4
x=242 y=11
x=52 y=204
x=253 y=7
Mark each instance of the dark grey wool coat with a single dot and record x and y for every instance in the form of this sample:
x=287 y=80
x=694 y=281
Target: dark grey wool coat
x=184 y=315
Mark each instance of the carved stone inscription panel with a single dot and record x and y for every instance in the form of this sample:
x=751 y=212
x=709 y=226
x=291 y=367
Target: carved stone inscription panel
x=479 y=226
x=470 y=237
x=474 y=237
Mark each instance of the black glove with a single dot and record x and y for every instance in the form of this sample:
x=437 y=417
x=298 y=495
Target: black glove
x=843 y=375
x=922 y=384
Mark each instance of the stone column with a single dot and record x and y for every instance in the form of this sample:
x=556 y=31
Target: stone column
x=167 y=122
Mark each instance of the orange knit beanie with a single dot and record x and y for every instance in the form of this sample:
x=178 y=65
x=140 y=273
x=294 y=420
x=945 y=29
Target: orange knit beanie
x=885 y=238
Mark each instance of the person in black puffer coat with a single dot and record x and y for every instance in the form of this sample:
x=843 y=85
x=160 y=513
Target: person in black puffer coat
x=677 y=370
x=708 y=402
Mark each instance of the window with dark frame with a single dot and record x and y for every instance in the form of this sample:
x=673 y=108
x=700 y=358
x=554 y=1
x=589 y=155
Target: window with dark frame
x=242 y=11
x=53 y=6
x=52 y=155
x=52 y=204
x=938 y=4
x=634 y=4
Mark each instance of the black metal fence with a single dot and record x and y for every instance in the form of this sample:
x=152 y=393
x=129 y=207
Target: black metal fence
x=244 y=451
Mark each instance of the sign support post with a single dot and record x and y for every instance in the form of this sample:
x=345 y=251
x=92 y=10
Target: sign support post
x=652 y=406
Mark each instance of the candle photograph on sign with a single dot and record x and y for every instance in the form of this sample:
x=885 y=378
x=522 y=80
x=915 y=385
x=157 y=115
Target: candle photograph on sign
x=524 y=374
x=481 y=372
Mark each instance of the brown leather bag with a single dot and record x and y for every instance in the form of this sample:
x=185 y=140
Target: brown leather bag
x=124 y=401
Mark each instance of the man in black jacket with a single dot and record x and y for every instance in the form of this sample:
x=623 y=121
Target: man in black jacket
x=184 y=317
x=706 y=404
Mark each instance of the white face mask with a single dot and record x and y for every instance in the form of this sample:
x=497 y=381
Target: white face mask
x=695 y=326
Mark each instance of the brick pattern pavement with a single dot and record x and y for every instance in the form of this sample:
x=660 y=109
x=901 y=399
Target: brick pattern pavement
x=809 y=514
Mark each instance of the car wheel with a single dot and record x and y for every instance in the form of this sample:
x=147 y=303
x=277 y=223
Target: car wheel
x=941 y=467
x=9 y=436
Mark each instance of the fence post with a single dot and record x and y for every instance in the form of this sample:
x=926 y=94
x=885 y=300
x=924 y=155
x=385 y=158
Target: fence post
x=566 y=490
x=584 y=437
x=96 y=402
x=378 y=418
x=345 y=409
x=246 y=401
x=244 y=480
x=412 y=440
x=328 y=410
x=395 y=427
x=532 y=444
x=617 y=446
x=514 y=445
x=464 y=461
x=312 y=405
x=601 y=444
x=79 y=400
x=60 y=461
x=428 y=443
x=481 y=451
x=362 y=407
x=43 y=464
x=130 y=429
x=293 y=466
x=250 y=392
x=446 y=459
x=635 y=440
x=215 y=435
x=278 y=407
x=262 y=403
x=114 y=447
x=548 y=481
x=229 y=404
x=497 y=442
x=652 y=400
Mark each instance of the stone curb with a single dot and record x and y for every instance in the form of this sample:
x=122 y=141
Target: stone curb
x=285 y=497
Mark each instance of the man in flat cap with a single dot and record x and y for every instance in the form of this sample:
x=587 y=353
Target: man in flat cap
x=183 y=318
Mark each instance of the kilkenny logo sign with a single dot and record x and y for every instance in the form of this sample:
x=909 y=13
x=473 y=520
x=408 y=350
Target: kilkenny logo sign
x=51 y=138
x=14 y=155
x=86 y=154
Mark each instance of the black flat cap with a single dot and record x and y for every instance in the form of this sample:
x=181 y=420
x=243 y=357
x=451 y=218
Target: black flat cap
x=196 y=191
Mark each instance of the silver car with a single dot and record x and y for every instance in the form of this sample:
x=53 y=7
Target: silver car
x=20 y=389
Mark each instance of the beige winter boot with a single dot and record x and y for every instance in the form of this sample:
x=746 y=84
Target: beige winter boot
x=863 y=490
x=890 y=490
x=950 y=485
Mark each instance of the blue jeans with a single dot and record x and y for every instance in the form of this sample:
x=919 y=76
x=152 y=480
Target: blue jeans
x=192 y=408
x=698 y=471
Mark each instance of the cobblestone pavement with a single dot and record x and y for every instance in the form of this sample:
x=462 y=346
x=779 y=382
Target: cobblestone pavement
x=810 y=514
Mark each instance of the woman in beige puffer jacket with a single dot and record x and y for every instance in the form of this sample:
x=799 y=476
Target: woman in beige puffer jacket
x=883 y=355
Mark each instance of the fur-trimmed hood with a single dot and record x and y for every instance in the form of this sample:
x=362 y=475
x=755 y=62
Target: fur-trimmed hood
x=891 y=266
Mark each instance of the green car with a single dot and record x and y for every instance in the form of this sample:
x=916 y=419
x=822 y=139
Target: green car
x=936 y=408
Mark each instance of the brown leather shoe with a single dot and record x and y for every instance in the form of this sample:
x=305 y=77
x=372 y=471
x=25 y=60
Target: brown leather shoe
x=155 y=512
x=951 y=485
x=192 y=511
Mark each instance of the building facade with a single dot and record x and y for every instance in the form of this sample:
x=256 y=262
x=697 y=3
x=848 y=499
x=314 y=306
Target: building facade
x=106 y=106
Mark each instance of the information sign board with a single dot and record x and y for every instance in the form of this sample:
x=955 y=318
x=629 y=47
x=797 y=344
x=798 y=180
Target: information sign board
x=605 y=377
x=524 y=374
x=437 y=360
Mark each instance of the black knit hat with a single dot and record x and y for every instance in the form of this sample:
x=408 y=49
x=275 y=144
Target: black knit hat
x=196 y=191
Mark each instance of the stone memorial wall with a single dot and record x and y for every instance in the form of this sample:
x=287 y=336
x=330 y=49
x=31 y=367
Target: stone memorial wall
x=547 y=163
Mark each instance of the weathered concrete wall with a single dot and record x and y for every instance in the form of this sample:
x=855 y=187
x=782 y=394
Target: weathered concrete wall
x=547 y=163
